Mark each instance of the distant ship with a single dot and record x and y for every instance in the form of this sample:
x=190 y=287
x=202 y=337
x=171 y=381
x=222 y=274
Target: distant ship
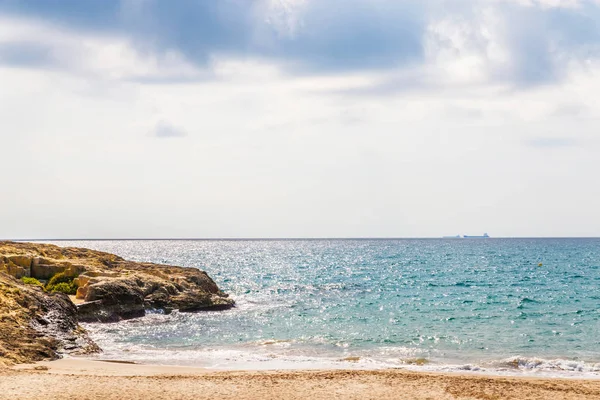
x=451 y=237
x=485 y=236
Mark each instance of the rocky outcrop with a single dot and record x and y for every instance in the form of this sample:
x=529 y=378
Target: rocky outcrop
x=35 y=325
x=110 y=288
x=112 y=300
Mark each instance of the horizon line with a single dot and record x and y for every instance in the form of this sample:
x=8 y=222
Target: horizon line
x=289 y=238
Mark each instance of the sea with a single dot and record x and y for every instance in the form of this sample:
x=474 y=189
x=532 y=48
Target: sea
x=493 y=306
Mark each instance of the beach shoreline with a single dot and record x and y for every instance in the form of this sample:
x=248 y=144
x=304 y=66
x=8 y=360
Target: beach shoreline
x=300 y=335
x=96 y=379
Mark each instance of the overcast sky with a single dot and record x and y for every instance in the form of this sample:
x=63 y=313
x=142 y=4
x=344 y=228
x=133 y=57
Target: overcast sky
x=299 y=118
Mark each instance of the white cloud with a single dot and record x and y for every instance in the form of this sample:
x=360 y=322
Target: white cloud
x=548 y=3
x=273 y=154
x=284 y=16
x=166 y=130
x=100 y=57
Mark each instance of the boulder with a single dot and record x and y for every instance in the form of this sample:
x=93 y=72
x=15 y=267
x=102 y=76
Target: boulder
x=46 y=271
x=112 y=300
x=200 y=301
x=16 y=270
x=21 y=265
x=96 y=273
x=21 y=261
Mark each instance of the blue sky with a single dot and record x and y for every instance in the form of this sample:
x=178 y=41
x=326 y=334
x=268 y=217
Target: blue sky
x=299 y=118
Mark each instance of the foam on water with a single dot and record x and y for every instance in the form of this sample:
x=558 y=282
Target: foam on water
x=306 y=353
x=448 y=305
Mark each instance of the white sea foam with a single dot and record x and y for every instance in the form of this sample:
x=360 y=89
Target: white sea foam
x=297 y=354
x=527 y=366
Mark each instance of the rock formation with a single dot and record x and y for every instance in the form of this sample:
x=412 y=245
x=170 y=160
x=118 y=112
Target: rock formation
x=35 y=325
x=109 y=289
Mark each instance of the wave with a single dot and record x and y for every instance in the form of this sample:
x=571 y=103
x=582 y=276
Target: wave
x=307 y=354
x=235 y=359
x=524 y=301
x=541 y=364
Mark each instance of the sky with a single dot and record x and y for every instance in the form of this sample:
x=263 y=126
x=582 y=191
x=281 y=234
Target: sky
x=299 y=118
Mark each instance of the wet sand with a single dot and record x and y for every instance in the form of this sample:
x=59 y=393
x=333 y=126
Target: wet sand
x=86 y=379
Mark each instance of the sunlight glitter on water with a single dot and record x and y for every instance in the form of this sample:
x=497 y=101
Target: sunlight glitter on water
x=451 y=302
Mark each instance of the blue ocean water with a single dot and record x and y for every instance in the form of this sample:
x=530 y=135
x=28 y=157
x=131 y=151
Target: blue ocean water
x=467 y=304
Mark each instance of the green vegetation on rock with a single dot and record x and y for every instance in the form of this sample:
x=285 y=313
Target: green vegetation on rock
x=110 y=288
x=43 y=324
x=62 y=283
x=37 y=325
x=65 y=288
x=31 y=281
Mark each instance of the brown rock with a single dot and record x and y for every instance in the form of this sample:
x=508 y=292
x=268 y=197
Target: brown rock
x=46 y=271
x=35 y=325
x=15 y=270
x=114 y=288
x=21 y=261
x=200 y=301
x=112 y=300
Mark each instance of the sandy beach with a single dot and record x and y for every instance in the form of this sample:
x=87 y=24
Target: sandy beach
x=85 y=379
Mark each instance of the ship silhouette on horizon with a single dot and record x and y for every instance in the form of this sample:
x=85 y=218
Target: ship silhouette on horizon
x=484 y=236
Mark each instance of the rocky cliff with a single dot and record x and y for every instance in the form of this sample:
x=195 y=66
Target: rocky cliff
x=108 y=288
x=35 y=325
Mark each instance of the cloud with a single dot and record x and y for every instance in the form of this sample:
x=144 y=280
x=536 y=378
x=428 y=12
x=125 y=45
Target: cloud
x=166 y=130
x=23 y=54
x=34 y=44
x=90 y=15
x=520 y=42
x=317 y=35
x=257 y=113
x=570 y=110
x=552 y=142
x=543 y=42
x=470 y=113
x=354 y=34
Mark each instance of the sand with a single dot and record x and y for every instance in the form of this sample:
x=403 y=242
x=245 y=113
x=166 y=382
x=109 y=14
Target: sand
x=86 y=379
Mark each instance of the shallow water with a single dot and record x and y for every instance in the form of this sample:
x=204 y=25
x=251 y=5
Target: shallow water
x=453 y=304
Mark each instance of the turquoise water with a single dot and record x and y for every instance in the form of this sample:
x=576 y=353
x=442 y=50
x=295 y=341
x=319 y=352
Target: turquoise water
x=478 y=304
